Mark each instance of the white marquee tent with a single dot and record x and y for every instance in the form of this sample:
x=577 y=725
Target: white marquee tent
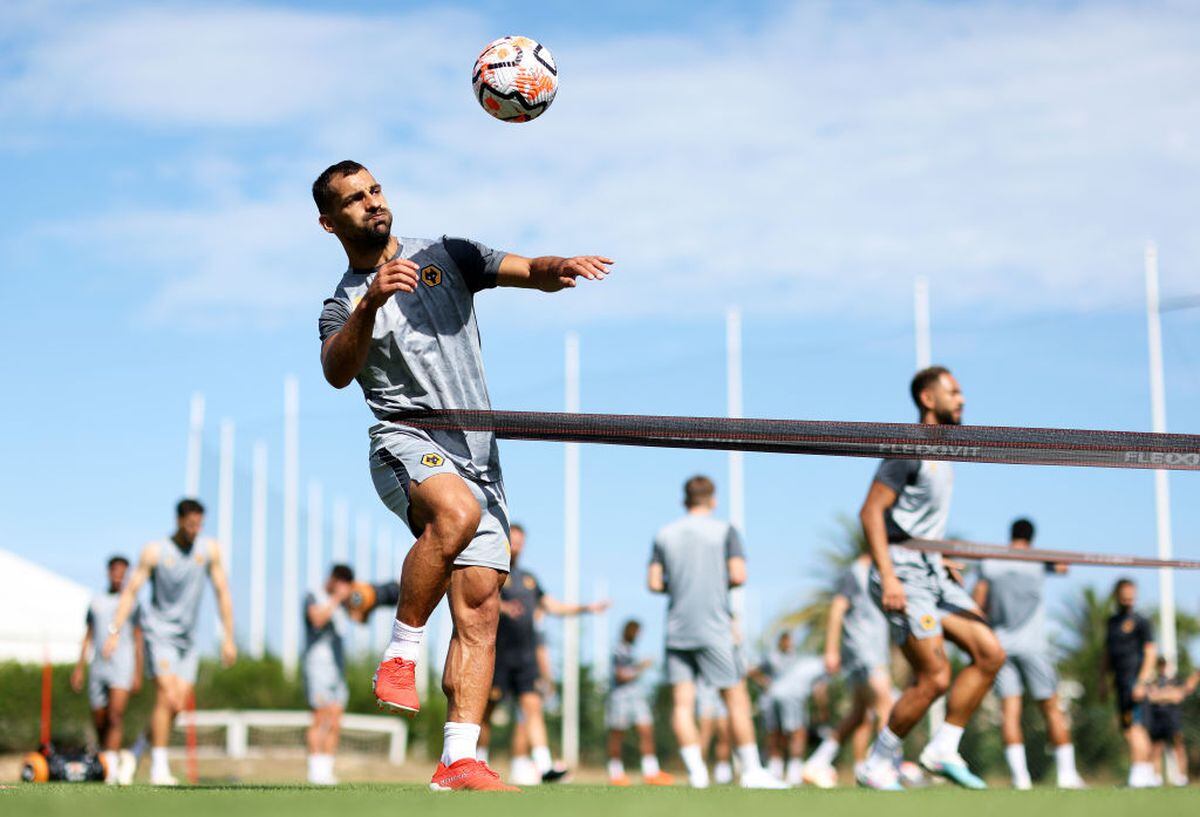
x=41 y=613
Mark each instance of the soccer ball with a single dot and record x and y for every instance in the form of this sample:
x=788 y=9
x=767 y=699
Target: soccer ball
x=515 y=79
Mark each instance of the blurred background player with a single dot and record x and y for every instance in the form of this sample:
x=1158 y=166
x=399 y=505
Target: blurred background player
x=1129 y=654
x=1164 y=721
x=1013 y=594
x=112 y=679
x=401 y=322
x=790 y=681
x=695 y=561
x=712 y=722
x=516 y=670
x=628 y=707
x=325 y=624
x=177 y=569
x=910 y=499
x=858 y=646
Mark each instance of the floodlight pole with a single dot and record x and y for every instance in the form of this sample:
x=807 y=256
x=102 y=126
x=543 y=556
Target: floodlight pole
x=362 y=569
x=341 y=531
x=1162 y=488
x=290 y=648
x=191 y=476
x=737 y=474
x=570 y=692
x=314 y=556
x=383 y=572
x=225 y=504
x=600 y=644
x=258 y=551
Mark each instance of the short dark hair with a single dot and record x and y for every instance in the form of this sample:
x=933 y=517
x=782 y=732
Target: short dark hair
x=1022 y=529
x=117 y=560
x=697 y=490
x=923 y=380
x=516 y=526
x=188 y=506
x=1124 y=581
x=630 y=628
x=322 y=190
x=342 y=573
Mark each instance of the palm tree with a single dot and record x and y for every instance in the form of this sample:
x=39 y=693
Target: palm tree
x=844 y=546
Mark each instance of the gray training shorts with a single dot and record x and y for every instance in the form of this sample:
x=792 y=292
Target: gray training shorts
x=626 y=711
x=719 y=667
x=104 y=675
x=785 y=714
x=324 y=685
x=398 y=460
x=165 y=657
x=1031 y=672
x=930 y=596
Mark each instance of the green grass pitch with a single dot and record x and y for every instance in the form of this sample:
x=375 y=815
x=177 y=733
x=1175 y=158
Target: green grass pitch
x=581 y=801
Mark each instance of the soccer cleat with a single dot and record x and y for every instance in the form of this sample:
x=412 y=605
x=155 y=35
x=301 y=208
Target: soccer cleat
x=395 y=683
x=821 y=775
x=467 y=774
x=698 y=780
x=556 y=774
x=952 y=767
x=760 y=778
x=1022 y=784
x=163 y=779
x=878 y=776
x=126 y=767
x=1076 y=783
x=621 y=782
x=660 y=779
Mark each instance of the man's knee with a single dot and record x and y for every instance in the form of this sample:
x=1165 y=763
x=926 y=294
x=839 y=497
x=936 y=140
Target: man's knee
x=933 y=679
x=988 y=655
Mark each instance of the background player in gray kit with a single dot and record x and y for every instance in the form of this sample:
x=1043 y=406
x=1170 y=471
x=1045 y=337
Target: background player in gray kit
x=695 y=561
x=111 y=680
x=1013 y=595
x=177 y=569
x=325 y=624
x=910 y=499
x=401 y=322
x=782 y=715
x=856 y=645
x=712 y=721
x=628 y=707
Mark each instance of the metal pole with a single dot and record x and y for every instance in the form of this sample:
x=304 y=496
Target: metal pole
x=381 y=624
x=737 y=473
x=362 y=569
x=1162 y=489
x=258 y=551
x=341 y=531
x=225 y=504
x=570 y=725
x=601 y=664
x=314 y=559
x=921 y=322
x=191 y=477
x=290 y=650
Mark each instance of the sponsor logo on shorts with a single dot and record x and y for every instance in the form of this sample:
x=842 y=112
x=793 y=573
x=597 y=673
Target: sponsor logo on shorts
x=431 y=275
x=1163 y=457
x=965 y=452
x=928 y=622
x=432 y=460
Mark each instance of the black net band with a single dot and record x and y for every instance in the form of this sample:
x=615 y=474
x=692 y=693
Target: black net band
x=994 y=444
x=971 y=550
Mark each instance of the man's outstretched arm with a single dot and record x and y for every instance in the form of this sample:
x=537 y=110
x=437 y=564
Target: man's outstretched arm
x=551 y=273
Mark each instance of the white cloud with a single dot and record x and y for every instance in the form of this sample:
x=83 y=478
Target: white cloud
x=1017 y=154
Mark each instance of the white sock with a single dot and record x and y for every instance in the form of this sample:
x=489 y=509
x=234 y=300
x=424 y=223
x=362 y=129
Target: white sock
x=723 y=771
x=795 y=771
x=775 y=766
x=459 y=741
x=945 y=740
x=616 y=769
x=1014 y=753
x=542 y=759
x=826 y=752
x=748 y=754
x=314 y=770
x=481 y=754
x=110 y=765
x=327 y=766
x=693 y=761
x=650 y=766
x=885 y=748
x=1064 y=762
x=405 y=643
x=159 y=766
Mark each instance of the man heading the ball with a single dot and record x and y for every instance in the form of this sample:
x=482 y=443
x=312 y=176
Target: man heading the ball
x=402 y=322
x=923 y=601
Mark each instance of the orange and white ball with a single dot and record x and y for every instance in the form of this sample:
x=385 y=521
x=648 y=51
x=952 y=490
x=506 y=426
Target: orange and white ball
x=515 y=79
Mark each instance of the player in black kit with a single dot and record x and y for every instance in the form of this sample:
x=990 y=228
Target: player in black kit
x=1129 y=653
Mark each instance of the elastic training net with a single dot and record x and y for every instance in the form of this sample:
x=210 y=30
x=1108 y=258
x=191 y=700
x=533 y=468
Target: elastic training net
x=972 y=550
x=995 y=444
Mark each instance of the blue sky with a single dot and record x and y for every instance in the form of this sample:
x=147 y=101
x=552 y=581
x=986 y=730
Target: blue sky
x=804 y=161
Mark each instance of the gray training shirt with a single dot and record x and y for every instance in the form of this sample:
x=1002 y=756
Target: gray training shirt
x=864 y=628
x=324 y=646
x=923 y=490
x=425 y=352
x=624 y=658
x=99 y=616
x=176 y=587
x=1016 y=604
x=694 y=553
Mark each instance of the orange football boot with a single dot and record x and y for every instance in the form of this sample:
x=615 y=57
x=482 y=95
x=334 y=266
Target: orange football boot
x=467 y=774
x=395 y=685
x=621 y=781
x=660 y=779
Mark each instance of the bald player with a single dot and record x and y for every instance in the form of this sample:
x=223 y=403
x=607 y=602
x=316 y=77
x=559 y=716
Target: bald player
x=177 y=569
x=695 y=561
x=1013 y=594
x=910 y=499
x=401 y=322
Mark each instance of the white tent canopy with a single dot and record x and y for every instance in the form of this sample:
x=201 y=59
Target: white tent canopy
x=41 y=613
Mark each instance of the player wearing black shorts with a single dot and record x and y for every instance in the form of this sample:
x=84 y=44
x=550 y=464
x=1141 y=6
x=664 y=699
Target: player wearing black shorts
x=516 y=674
x=1164 y=721
x=1129 y=654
